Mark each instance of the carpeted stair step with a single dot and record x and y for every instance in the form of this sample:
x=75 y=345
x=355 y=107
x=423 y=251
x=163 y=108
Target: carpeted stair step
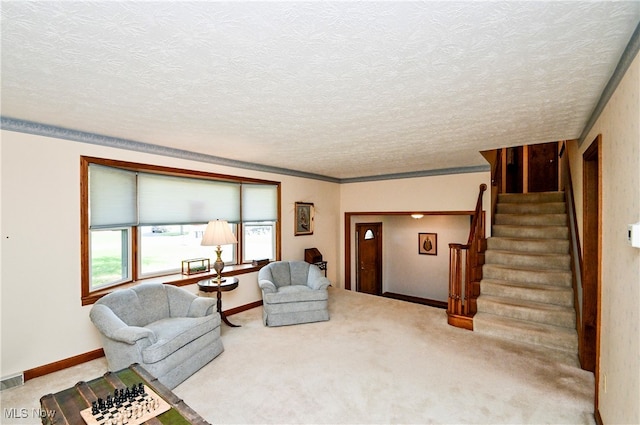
x=530 y=311
x=532 y=219
x=531 y=208
x=526 y=292
x=544 y=277
x=533 y=232
x=557 y=295
x=555 y=337
x=532 y=197
x=557 y=246
x=528 y=259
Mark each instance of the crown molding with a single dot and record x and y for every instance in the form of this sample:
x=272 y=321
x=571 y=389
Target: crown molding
x=629 y=54
x=46 y=130
x=414 y=174
x=30 y=127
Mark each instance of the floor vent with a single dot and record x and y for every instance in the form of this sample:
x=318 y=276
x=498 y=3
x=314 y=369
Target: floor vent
x=12 y=381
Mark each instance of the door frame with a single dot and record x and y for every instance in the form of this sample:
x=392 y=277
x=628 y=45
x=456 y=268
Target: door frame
x=589 y=344
x=378 y=225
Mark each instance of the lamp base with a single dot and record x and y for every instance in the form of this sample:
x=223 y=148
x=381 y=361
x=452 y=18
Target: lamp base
x=218 y=265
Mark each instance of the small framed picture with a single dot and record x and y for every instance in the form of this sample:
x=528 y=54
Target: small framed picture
x=428 y=243
x=304 y=218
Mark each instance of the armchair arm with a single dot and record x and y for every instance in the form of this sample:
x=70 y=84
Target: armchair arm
x=114 y=328
x=180 y=301
x=131 y=334
x=322 y=283
x=267 y=286
x=201 y=306
x=316 y=280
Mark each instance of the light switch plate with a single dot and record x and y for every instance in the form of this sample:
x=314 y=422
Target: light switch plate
x=634 y=235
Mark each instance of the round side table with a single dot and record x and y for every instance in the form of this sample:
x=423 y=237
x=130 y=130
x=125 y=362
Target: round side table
x=211 y=285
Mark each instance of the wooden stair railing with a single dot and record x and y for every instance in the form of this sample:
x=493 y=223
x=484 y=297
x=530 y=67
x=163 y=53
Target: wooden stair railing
x=465 y=270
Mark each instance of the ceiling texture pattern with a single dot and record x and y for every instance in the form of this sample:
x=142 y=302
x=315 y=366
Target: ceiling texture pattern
x=337 y=89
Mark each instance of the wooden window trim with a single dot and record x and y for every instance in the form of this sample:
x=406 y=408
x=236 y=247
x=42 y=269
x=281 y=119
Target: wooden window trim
x=90 y=297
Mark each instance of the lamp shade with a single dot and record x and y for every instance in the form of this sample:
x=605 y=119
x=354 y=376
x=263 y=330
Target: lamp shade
x=218 y=233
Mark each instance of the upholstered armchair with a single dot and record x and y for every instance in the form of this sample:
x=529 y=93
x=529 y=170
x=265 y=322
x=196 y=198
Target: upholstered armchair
x=293 y=292
x=167 y=330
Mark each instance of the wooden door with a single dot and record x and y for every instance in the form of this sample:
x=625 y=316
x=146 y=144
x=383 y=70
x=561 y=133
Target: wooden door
x=543 y=167
x=369 y=258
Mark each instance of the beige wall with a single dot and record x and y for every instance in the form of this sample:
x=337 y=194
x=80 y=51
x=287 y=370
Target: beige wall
x=407 y=272
x=619 y=125
x=41 y=315
x=454 y=192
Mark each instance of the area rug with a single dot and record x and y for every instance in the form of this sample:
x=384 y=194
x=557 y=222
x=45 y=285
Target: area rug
x=380 y=360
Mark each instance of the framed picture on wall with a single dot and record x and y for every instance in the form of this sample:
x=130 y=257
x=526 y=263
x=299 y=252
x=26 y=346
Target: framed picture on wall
x=428 y=243
x=304 y=218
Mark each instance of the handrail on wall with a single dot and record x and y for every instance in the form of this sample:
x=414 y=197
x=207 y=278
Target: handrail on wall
x=574 y=245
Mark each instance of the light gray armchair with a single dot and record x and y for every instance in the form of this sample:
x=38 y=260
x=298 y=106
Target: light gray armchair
x=293 y=292
x=167 y=330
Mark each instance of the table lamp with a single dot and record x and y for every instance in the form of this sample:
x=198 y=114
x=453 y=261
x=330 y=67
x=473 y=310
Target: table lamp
x=216 y=234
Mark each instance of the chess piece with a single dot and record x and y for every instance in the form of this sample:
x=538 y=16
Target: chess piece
x=94 y=408
x=139 y=411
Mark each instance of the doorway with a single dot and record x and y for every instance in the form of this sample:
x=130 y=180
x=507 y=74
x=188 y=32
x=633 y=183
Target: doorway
x=589 y=341
x=369 y=258
x=514 y=170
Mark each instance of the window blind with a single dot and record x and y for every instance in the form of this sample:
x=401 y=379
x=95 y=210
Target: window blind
x=112 y=197
x=181 y=200
x=259 y=202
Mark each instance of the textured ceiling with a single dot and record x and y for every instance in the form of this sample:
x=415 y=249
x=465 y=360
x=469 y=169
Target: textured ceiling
x=339 y=89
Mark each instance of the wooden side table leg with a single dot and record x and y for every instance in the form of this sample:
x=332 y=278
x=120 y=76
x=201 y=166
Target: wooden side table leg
x=222 y=315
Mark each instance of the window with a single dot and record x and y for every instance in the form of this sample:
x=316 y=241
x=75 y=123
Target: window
x=139 y=221
x=162 y=248
x=259 y=240
x=109 y=253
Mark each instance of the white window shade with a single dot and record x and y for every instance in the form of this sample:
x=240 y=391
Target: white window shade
x=259 y=202
x=178 y=200
x=112 y=197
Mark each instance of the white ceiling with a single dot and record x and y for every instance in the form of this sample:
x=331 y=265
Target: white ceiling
x=339 y=89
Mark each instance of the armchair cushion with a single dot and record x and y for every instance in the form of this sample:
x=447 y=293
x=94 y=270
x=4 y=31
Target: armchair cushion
x=174 y=333
x=295 y=293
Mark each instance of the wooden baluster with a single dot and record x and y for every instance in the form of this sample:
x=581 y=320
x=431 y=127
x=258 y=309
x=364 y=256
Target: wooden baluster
x=461 y=303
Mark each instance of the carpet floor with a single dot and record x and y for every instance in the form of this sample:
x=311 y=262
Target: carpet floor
x=377 y=360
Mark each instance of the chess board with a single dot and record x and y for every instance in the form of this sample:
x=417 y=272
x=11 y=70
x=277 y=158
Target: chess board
x=70 y=402
x=136 y=411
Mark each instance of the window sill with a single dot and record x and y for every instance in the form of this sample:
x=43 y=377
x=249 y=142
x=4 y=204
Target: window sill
x=174 y=279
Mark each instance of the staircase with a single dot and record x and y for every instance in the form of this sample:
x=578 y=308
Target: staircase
x=526 y=292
